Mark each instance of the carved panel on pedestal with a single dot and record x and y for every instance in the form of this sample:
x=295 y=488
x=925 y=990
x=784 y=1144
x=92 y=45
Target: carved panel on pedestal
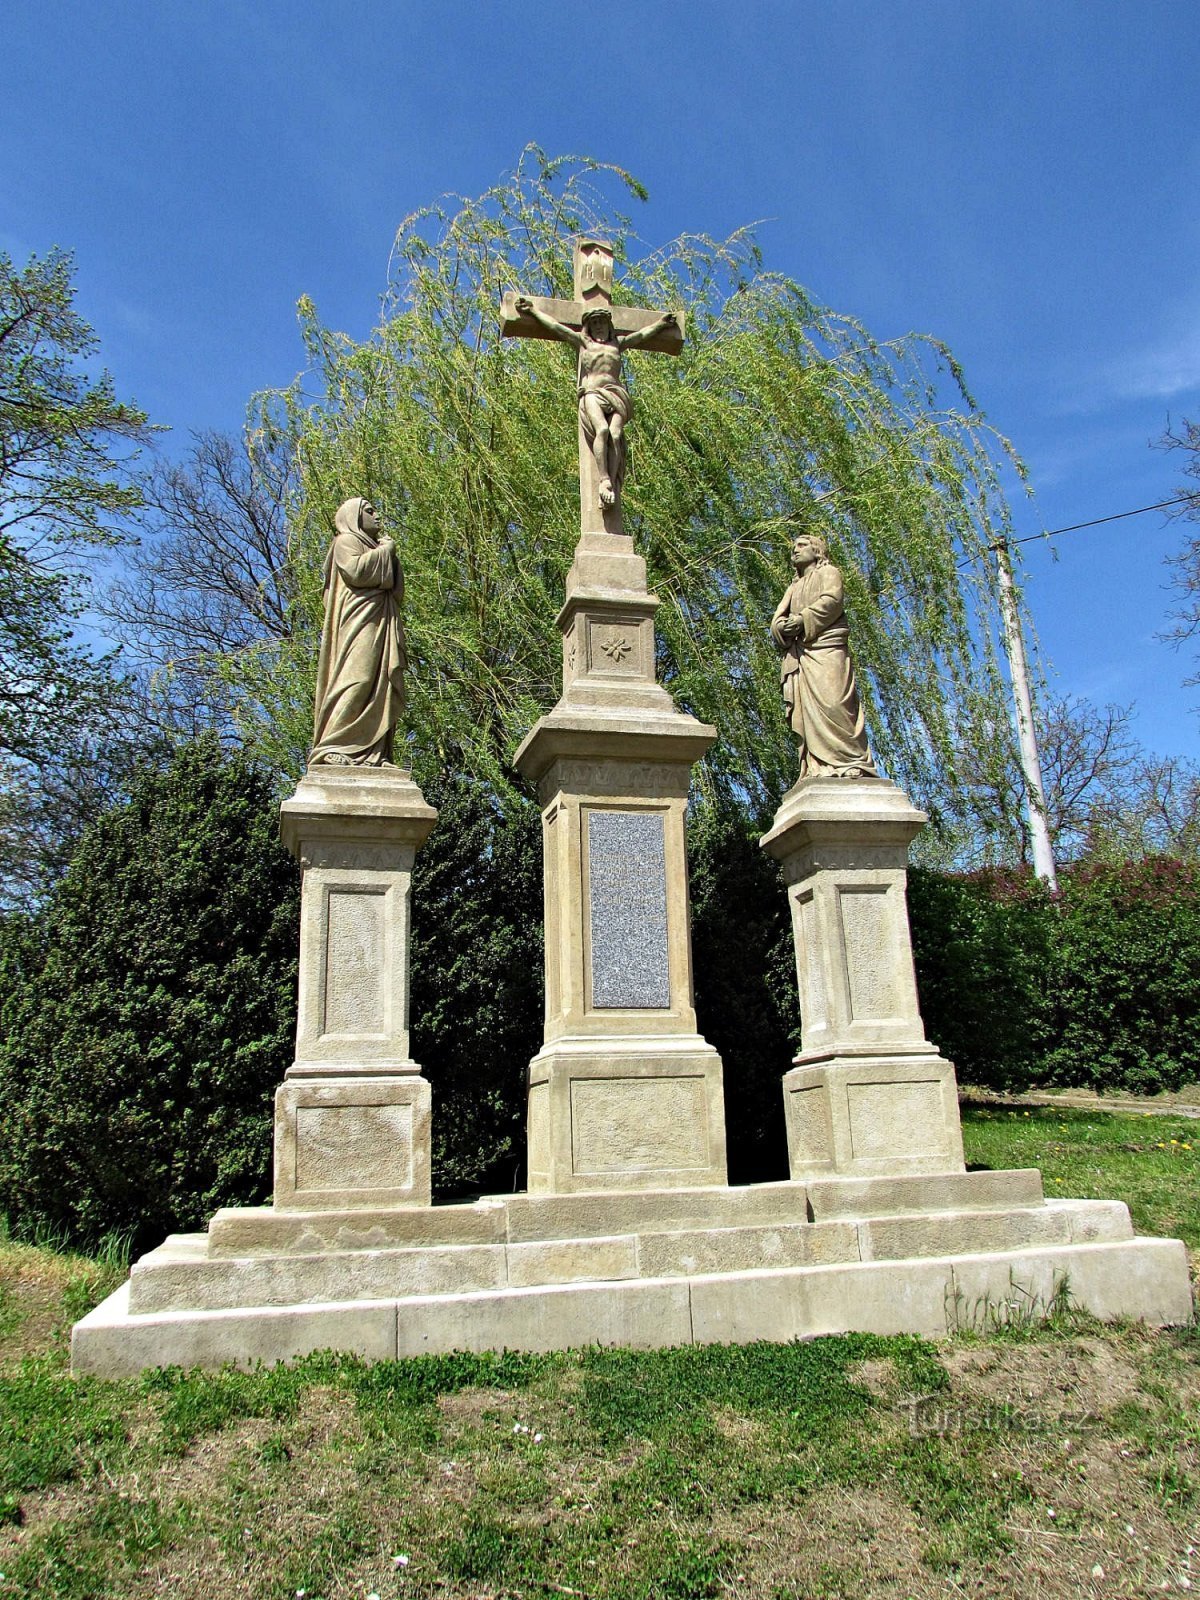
x=624 y=1124
x=896 y=1119
x=538 y=1128
x=870 y=946
x=627 y=872
x=617 y=647
x=354 y=1147
x=810 y=1126
x=355 y=963
x=810 y=968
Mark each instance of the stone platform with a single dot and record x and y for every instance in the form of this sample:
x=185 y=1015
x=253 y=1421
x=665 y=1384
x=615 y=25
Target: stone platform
x=651 y=1268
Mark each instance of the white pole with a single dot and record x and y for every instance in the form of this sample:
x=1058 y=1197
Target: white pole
x=1018 y=668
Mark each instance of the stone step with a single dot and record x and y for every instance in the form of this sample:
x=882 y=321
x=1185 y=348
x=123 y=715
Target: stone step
x=184 y=1275
x=523 y=1218
x=1144 y=1279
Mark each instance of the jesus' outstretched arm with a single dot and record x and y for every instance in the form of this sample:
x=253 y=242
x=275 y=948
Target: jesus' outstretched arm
x=527 y=308
x=631 y=341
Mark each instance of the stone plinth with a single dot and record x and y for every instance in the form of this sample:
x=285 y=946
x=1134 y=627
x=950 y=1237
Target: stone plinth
x=868 y=1093
x=625 y=1094
x=352 y=1117
x=927 y=1255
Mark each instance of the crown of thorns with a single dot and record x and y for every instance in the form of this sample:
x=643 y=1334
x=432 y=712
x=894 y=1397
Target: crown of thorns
x=593 y=312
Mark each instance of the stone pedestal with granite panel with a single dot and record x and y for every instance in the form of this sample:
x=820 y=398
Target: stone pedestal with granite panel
x=624 y=1094
x=352 y=1116
x=868 y=1094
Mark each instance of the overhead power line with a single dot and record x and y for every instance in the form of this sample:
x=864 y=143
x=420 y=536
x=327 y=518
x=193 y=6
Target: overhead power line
x=1074 y=527
x=1116 y=516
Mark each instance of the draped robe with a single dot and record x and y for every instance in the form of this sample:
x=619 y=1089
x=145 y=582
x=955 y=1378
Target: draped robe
x=817 y=678
x=360 y=673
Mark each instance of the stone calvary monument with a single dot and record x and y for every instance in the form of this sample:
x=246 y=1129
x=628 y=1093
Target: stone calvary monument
x=628 y=1233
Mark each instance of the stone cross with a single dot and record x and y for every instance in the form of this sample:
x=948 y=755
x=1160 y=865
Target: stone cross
x=600 y=332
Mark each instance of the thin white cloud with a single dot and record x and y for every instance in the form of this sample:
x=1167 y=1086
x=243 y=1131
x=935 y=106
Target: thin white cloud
x=1165 y=370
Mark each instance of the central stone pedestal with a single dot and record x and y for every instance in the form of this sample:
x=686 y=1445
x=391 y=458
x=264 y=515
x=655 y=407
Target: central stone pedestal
x=625 y=1094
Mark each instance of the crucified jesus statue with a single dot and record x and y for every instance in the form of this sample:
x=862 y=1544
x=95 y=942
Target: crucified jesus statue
x=600 y=333
x=604 y=402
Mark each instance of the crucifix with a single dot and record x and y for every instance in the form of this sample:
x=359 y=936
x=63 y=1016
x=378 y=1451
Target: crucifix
x=600 y=333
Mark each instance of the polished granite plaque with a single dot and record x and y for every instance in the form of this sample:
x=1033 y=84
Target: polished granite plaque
x=628 y=876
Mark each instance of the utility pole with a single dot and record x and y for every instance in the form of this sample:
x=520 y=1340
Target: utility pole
x=1018 y=671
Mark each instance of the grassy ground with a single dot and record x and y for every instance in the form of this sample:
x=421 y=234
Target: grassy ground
x=1151 y=1162
x=1061 y=1461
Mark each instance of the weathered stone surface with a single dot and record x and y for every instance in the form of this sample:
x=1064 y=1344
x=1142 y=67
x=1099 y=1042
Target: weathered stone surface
x=626 y=1113
x=583 y=1215
x=573 y=1261
x=868 y=1093
x=691 y=1251
x=344 y=1141
x=638 y=1315
x=1141 y=1278
x=177 y=1279
x=111 y=1343
x=796 y=1303
x=1092 y=1221
x=355 y=832
x=872 y=1114
x=265 y=1231
x=834 y=1197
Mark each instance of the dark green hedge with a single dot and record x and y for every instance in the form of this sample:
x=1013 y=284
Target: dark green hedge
x=151 y=1011
x=1097 y=987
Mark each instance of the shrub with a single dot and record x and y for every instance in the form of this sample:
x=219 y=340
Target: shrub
x=153 y=1011
x=1126 y=981
x=747 y=1005
x=983 y=947
x=477 y=980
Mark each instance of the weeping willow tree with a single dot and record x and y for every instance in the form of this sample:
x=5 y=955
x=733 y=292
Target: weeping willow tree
x=779 y=414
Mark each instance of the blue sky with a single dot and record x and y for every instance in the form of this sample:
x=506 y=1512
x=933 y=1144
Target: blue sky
x=1017 y=178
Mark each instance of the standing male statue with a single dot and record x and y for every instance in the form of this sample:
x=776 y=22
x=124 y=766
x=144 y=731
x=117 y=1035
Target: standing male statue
x=817 y=673
x=360 y=674
x=605 y=405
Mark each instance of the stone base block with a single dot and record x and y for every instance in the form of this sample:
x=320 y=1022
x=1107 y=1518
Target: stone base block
x=1144 y=1279
x=872 y=1116
x=633 y=1113
x=345 y=1143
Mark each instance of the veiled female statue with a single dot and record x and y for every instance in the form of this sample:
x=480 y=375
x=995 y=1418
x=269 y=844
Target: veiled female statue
x=360 y=674
x=817 y=673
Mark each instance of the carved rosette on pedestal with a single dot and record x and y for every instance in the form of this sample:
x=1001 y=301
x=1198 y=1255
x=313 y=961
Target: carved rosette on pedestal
x=868 y=1095
x=624 y=1094
x=352 y=1116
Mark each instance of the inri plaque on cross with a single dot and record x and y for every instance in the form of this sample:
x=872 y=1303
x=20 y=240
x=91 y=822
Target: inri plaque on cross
x=600 y=333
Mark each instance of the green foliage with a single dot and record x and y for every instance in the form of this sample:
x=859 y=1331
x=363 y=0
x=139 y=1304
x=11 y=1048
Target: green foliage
x=60 y=485
x=477 y=980
x=1127 y=994
x=1099 y=987
x=745 y=973
x=778 y=409
x=153 y=1011
x=52 y=1430
x=982 y=945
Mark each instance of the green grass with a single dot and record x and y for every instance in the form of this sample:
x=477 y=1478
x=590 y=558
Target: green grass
x=1151 y=1162
x=782 y=1471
